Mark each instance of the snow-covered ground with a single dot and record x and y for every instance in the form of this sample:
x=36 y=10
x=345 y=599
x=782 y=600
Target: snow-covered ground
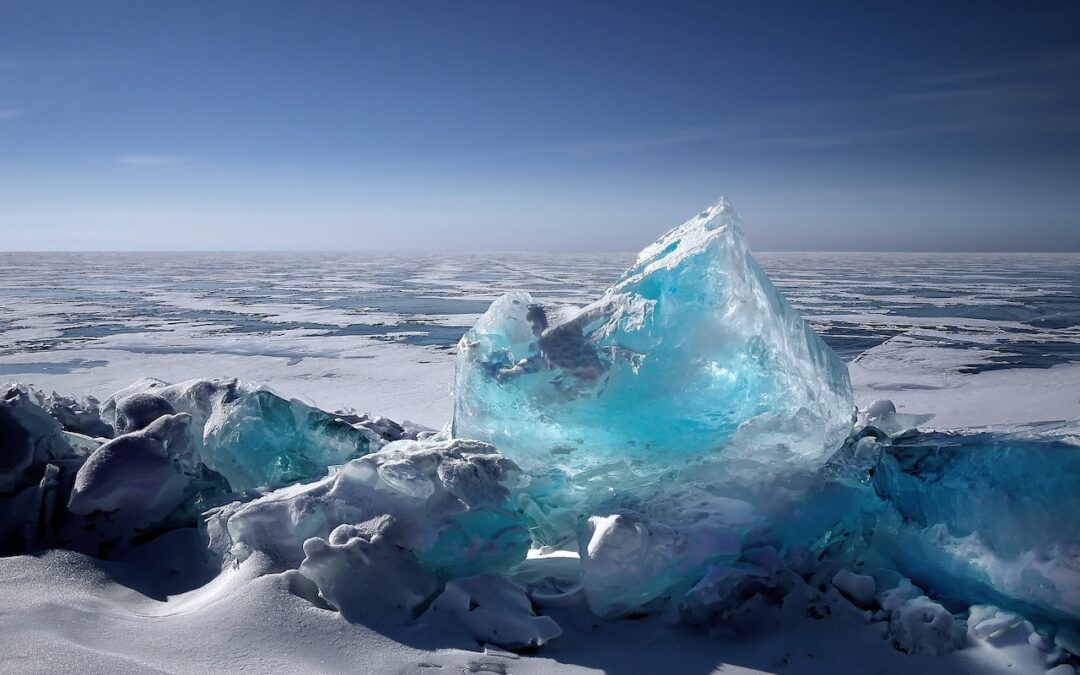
x=72 y=616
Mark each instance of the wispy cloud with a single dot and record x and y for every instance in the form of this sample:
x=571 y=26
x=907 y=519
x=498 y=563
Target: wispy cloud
x=142 y=161
x=10 y=113
x=1039 y=95
x=988 y=122
x=1007 y=92
x=1062 y=62
x=652 y=141
x=834 y=139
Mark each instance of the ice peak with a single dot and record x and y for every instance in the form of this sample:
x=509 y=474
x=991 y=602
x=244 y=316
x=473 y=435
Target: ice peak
x=719 y=222
x=720 y=214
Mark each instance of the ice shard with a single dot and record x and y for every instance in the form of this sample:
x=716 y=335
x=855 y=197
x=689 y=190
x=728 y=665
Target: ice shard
x=692 y=354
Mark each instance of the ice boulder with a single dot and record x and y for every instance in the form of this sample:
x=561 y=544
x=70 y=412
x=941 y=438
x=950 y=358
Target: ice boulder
x=367 y=574
x=692 y=354
x=137 y=411
x=630 y=561
x=136 y=475
x=246 y=433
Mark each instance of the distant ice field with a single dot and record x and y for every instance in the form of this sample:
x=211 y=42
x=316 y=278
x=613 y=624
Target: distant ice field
x=977 y=339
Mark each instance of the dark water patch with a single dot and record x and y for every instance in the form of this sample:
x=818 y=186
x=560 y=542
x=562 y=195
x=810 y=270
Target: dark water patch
x=408 y=332
x=242 y=323
x=100 y=331
x=849 y=339
x=412 y=305
x=1056 y=321
x=981 y=312
x=45 y=368
x=1045 y=354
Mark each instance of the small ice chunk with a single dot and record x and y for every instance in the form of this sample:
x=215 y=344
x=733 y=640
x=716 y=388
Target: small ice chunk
x=859 y=587
x=880 y=408
x=721 y=591
x=494 y=609
x=363 y=572
x=136 y=411
x=995 y=626
x=882 y=415
x=627 y=561
x=918 y=624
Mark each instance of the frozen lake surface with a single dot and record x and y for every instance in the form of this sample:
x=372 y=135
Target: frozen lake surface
x=978 y=339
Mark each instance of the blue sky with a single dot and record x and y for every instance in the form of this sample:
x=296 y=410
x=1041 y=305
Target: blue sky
x=537 y=126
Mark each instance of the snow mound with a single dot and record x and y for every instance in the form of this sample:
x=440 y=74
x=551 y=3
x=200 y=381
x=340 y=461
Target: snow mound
x=138 y=474
x=446 y=501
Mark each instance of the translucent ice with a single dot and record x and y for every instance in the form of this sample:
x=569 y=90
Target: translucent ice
x=985 y=518
x=693 y=353
x=629 y=560
x=248 y=434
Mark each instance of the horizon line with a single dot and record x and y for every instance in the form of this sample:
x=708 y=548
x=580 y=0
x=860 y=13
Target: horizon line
x=518 y=251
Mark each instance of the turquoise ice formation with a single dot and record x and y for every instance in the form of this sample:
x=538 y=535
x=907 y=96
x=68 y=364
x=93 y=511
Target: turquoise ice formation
x=246 y=433
x=692 y=354
x=984 y=517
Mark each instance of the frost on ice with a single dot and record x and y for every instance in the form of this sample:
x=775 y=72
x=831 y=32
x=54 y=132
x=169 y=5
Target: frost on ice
x=443 y=501
x=693 y=353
